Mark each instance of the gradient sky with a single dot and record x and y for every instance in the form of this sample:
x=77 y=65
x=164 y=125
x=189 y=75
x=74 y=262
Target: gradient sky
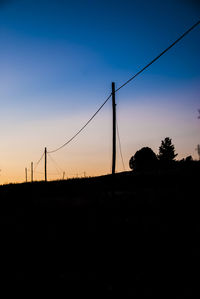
x=57 y=61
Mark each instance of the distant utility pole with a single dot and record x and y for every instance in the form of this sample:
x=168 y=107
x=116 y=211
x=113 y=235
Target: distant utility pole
x=63 y=175
x=45 y=164
x=31 y=171
x=26 y=175
x=198 y=150
x=114 y=129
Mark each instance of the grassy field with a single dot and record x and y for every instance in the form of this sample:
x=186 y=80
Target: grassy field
x=135 y=235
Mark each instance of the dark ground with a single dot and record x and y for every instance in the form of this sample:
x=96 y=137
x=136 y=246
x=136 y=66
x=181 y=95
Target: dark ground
x=140 y=240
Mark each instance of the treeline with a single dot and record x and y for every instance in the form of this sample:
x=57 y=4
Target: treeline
x=145 y=158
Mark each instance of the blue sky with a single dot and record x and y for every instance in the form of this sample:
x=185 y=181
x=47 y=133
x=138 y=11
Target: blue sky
x=58 y=59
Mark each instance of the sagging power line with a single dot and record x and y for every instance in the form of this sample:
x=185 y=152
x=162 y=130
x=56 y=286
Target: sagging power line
x=157 y=57
x=114 y=113
x=120 y=147
x=79 y=131
x=37 y=163
x=125 y=83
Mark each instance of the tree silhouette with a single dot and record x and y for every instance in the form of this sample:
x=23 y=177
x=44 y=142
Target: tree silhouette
x=144 y=159
x=167 y=151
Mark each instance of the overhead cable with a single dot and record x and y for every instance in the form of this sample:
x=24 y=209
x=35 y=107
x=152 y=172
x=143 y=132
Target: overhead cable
x=133 y=77
x=120 y=148
x=53 y=151
x=157 y=57
x=57 y=167
x=36 y=164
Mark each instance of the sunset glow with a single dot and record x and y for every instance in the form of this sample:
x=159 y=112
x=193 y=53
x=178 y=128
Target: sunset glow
x=57 y=64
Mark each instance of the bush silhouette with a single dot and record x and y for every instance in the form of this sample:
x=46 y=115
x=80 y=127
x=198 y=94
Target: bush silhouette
x=188 y=159
x=144 y=159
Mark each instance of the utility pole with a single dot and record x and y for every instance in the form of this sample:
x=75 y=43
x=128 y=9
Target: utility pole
x=63 y=175
x=45 y=164
x=114 y=129
x=31 y=172
x=26 y=174
x=198 y=150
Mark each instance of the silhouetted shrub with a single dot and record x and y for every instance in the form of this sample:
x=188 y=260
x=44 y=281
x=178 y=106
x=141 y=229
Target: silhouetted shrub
x=188 y=159
x=187 y=163
x=144 y=159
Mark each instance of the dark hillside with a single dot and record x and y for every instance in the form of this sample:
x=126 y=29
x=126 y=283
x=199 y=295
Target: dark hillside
x=137 y=235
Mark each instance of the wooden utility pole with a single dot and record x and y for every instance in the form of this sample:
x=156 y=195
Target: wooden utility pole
x=198 y=149
x=45 y=164
x=31 y=171
x=63 y=175
x=26 y=175
x=114 y=129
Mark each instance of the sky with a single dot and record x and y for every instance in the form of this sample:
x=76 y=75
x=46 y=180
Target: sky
x=57 y=62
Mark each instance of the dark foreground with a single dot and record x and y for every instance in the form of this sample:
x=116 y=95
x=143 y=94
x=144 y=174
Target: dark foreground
x=141 y=239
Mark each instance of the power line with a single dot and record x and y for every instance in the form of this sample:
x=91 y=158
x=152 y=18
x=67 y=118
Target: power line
x=57 y=167
x=120 y=148
x=157 y=57
x=133 y=77
x=38 y=162
x=81 y=128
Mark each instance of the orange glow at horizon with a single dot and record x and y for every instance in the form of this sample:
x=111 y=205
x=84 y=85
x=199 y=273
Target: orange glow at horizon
x=91 y=153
